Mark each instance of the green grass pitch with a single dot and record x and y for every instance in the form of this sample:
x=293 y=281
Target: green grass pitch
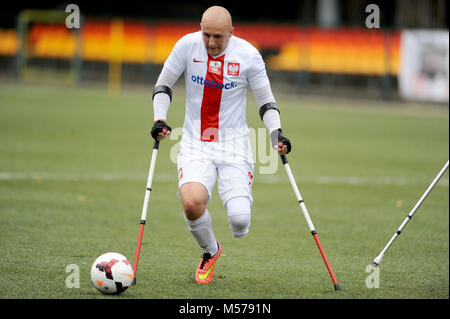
x=73 y=170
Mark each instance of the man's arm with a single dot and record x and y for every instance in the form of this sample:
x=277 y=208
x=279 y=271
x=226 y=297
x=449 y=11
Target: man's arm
x=268 y=108
x=162 y=93
x=162 y=97
x=270 y=115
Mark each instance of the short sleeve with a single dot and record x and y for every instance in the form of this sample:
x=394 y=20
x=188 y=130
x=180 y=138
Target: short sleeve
x=257 y=76
x=176 y=62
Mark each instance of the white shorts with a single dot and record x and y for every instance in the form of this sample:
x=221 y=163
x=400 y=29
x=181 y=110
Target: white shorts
x=235 y=177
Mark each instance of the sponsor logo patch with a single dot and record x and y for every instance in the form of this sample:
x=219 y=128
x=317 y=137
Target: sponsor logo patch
x=215 y=67
x=200 y=80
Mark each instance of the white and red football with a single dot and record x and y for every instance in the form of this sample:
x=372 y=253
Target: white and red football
x=112 y=273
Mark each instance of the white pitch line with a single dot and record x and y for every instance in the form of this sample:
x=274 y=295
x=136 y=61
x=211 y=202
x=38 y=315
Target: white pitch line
x=265 y=179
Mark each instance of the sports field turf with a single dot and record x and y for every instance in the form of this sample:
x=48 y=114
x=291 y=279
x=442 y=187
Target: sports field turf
x=73 y=170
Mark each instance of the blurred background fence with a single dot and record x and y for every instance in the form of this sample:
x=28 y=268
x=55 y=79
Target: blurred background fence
x=313 y=47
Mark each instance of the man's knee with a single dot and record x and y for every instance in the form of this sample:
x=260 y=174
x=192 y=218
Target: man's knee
x=194 y=197
x=193 y=208
x=191 y=205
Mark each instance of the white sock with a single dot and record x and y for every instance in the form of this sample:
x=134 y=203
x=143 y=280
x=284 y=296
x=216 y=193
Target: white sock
x=201 y=230
x=239 y=215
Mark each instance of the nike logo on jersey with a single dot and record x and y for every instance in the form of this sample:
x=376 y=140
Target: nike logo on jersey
x=200 y=80
x=197 y=61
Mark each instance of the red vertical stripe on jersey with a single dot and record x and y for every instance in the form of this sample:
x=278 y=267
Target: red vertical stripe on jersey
x=212 y=96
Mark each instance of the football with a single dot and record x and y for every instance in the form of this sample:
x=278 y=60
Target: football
x=111 y=273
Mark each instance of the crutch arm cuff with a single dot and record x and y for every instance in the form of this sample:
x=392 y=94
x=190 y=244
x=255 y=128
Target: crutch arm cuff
x=162 y=89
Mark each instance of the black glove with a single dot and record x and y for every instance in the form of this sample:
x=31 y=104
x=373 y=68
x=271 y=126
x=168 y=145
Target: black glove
x=277 y=137
x=158 y=127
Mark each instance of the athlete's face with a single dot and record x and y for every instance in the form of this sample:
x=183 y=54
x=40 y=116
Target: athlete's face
x=216 y=36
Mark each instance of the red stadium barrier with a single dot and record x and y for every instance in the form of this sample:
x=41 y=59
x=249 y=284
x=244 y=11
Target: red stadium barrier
x=343 y=50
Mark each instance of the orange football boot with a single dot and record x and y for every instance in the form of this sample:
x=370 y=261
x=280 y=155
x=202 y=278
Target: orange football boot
x=205 y=270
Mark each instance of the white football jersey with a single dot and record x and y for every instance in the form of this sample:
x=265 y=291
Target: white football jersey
x=216 y=87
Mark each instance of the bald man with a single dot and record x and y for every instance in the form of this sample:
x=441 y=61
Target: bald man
x=218 y=68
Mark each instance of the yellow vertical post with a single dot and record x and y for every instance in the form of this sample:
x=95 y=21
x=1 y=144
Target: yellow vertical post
x=22 y=52
x=115 y=57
